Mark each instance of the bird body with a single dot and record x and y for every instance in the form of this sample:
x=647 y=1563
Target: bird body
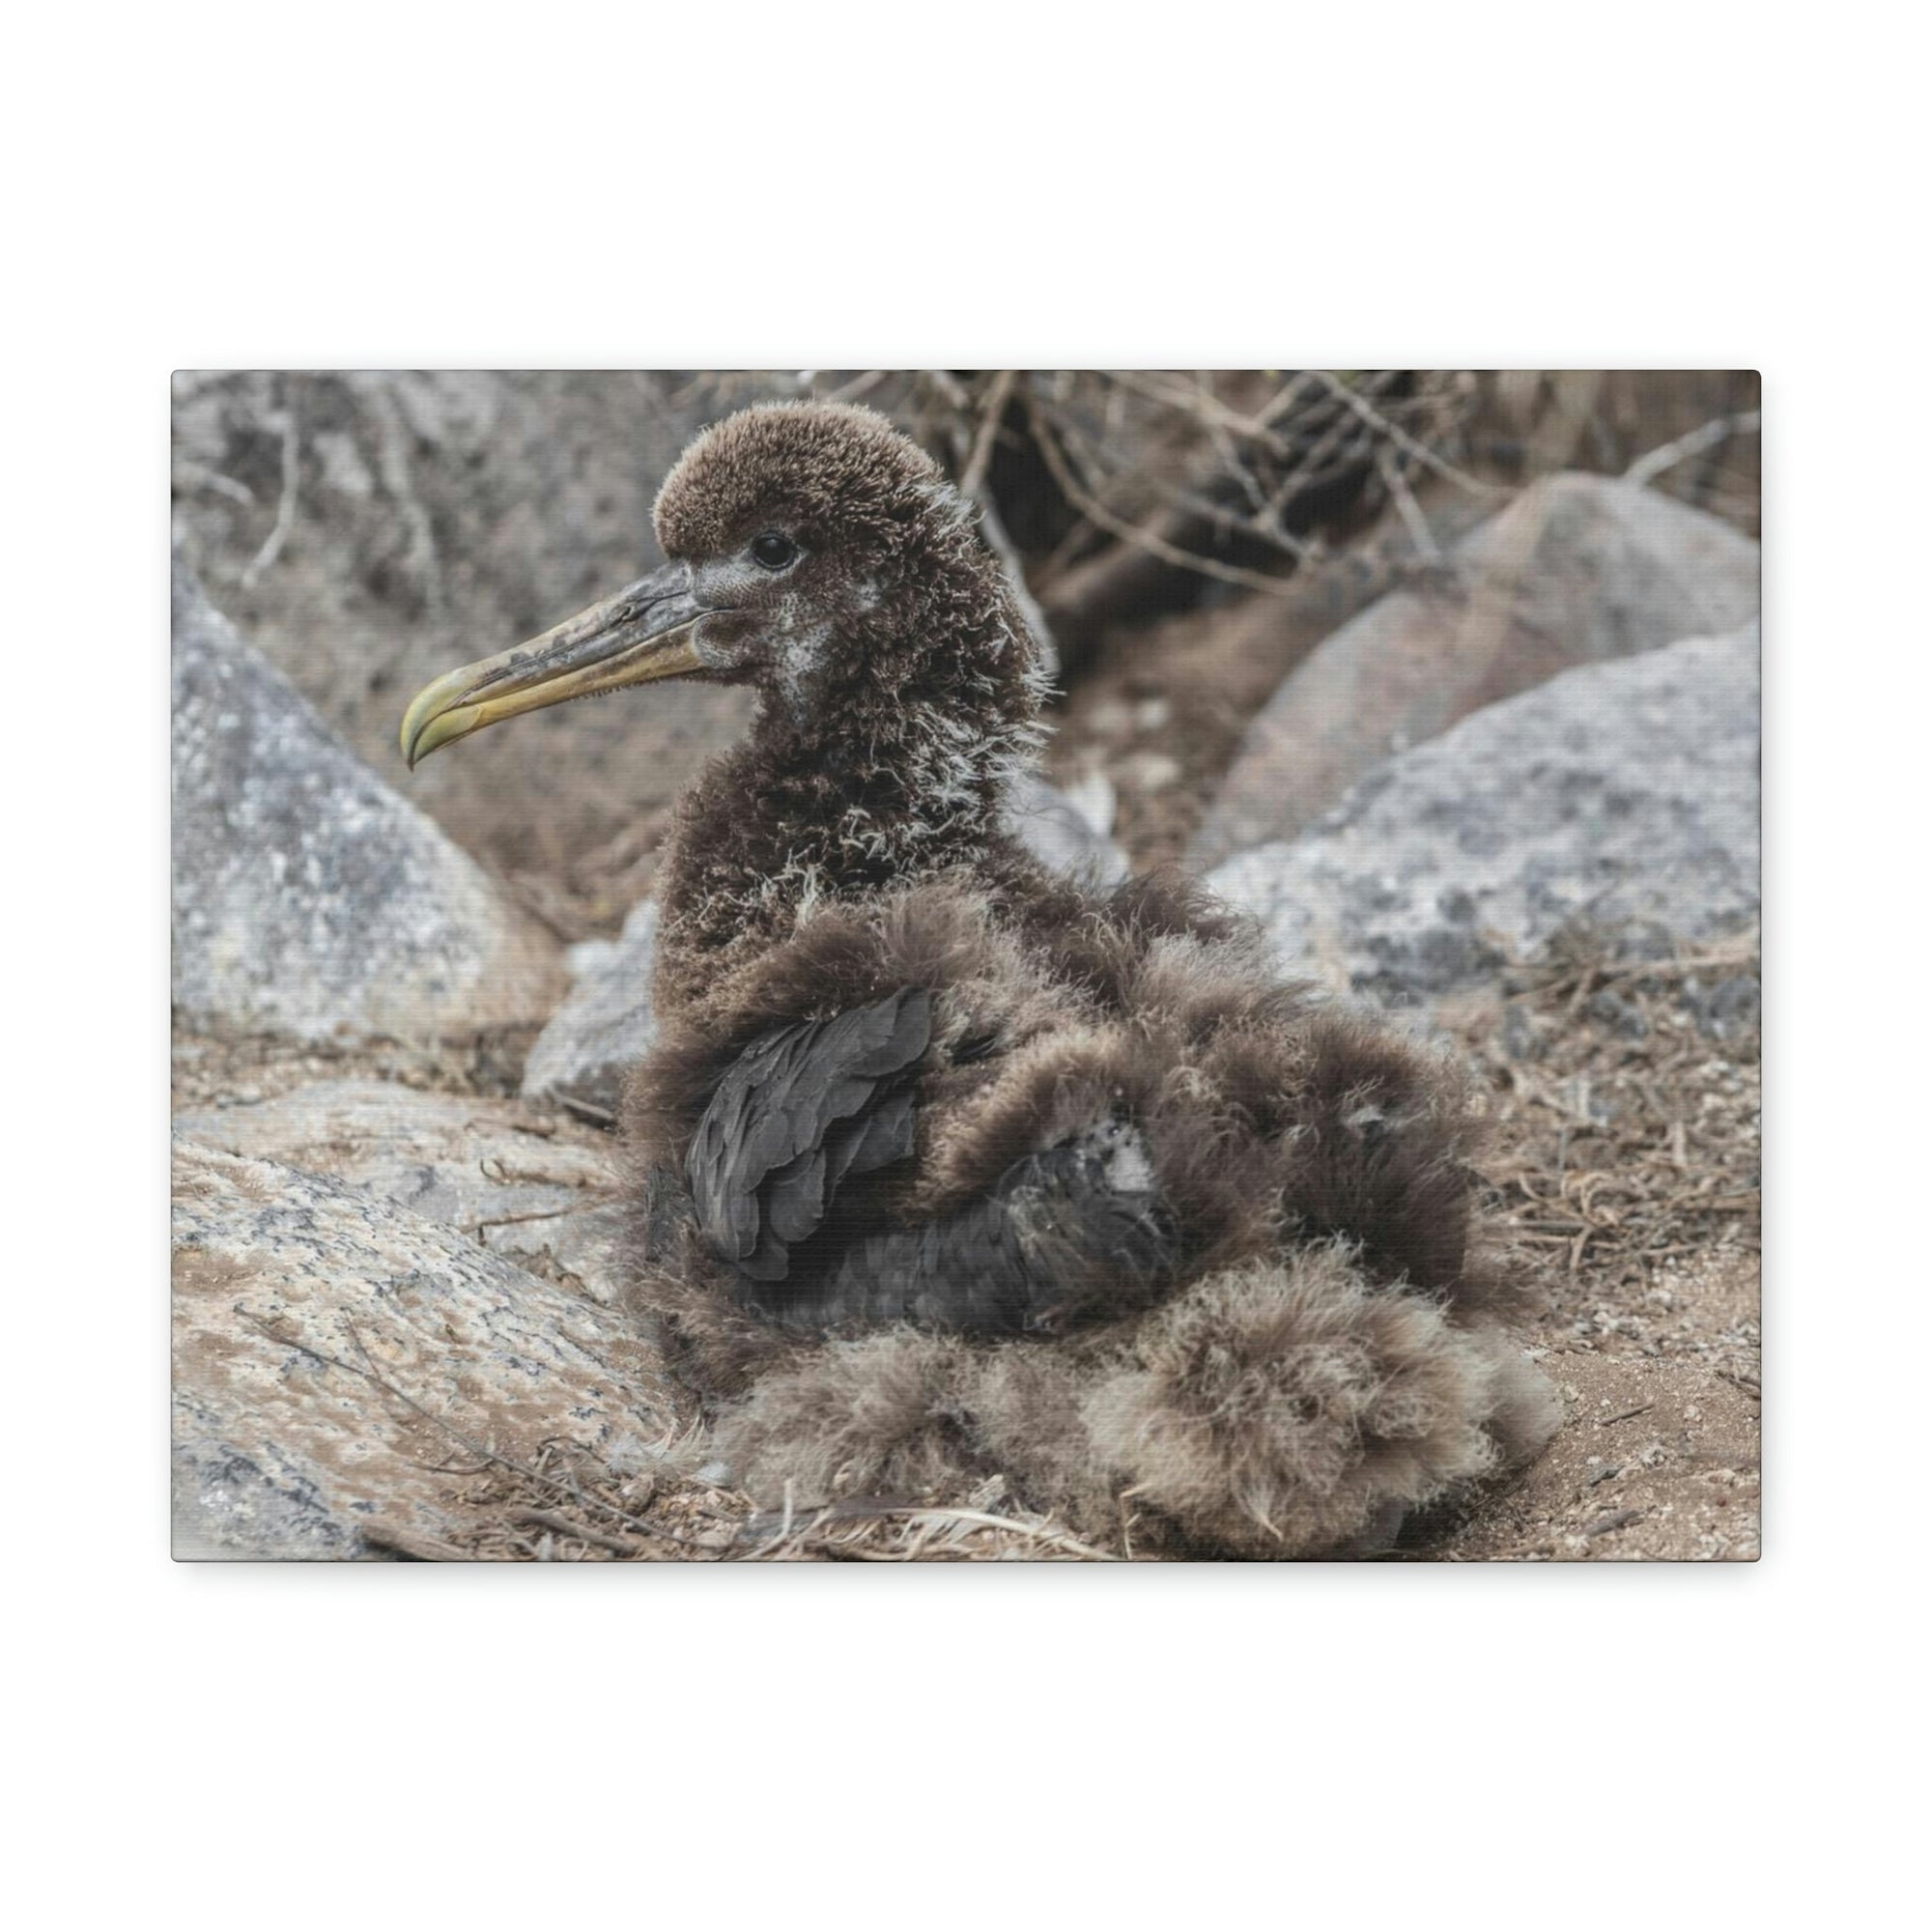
x=949 y=1166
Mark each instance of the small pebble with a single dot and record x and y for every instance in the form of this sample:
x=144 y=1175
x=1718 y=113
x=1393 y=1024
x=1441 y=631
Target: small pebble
x=1610 y=1009
x=1616 y=1519
x=1150 y=771
x=1518 y=1033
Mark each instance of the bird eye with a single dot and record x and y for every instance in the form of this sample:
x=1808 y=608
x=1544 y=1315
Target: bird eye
x=772 y=550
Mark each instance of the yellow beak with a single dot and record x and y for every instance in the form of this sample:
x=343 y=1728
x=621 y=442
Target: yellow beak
x=637 y=637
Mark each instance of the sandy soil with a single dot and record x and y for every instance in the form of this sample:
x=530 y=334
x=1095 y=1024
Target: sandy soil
x=1659 y=1458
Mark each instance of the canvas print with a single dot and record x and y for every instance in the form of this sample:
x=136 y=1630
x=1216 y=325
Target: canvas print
x=1128 y=965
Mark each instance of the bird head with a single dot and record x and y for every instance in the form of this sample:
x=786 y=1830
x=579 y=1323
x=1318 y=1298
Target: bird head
x=816 y=553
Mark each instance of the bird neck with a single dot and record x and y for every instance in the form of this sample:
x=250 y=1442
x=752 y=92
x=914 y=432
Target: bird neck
x=897 y=777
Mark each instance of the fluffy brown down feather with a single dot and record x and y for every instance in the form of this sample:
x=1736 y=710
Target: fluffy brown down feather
x=1336 y=1348
x=1329 y=1352
x=1275 y=1410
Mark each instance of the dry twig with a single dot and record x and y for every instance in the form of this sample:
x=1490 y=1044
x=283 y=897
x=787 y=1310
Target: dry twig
x=1147 y=540
x=1653 y=462
x=285 y=508
x=1410 y=446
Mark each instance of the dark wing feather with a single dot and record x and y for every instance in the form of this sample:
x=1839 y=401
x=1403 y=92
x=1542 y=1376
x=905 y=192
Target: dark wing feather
x=795 y=1196
x=883 y=1135
x=798 y=1112
x=1056 y=1239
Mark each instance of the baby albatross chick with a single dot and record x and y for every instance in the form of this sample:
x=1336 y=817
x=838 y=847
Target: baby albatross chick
x=948 y=1167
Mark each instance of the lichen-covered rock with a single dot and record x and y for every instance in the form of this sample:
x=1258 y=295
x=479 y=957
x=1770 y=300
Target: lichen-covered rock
x=333 y=1354
x=308 y=897
x=1618 y=794
x=604 y=1027
x=1577 y=570
x=589 y=1249
x=539 y=1189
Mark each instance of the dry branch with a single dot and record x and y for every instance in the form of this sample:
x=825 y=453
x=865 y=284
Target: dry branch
x=285 y=507
x=1695 y=442
x=1147 y=540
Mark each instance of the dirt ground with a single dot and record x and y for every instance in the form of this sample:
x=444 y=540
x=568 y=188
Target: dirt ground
x=1626 y=1096
x=1659 y=1458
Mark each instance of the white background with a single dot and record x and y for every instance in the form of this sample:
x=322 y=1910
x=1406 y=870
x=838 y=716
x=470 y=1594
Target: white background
x=1436 y=186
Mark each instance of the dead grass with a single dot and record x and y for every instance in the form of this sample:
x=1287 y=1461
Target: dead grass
x=567 y=1507
x=1625 y=1095
x=216 y=1067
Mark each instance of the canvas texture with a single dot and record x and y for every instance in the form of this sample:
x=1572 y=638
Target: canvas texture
x=1140 y=966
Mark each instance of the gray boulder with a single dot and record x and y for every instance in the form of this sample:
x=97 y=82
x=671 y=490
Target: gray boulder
x=539 y=1190
x=335 y=1354
x=1064 y=830
x=604 y=1027
x=1623 y=793
x=308 y=897
x=1577 y=570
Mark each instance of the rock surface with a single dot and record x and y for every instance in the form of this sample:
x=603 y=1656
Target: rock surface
x=1619 y=793
x=280 y=1452
x=1064 y=832
x=459 y=1158
x=1576 y=570
x=308 y=898
x=539 y=1190
x=605 y=1027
